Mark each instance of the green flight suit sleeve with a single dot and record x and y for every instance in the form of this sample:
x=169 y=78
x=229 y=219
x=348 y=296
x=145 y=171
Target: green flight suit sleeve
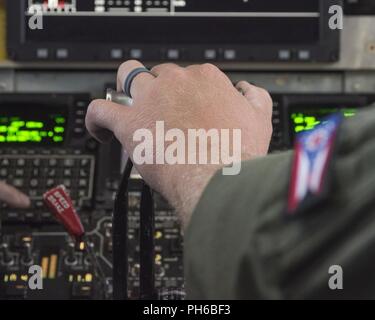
x=241 y=245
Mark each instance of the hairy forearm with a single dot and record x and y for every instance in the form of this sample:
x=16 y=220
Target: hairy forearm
x=187 y=187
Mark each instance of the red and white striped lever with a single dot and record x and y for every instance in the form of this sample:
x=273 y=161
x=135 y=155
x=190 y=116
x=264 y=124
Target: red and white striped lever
x=61 y=206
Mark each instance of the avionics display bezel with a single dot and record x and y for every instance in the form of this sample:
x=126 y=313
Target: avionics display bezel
x=71 y=105
x=363 y=7
x=323 y=49
x=293 y=103
x=34 y=117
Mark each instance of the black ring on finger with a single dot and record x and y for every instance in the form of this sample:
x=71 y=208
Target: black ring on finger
x=130 y=78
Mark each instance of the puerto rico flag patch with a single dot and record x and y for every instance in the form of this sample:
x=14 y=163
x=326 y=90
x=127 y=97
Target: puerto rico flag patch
x=312 y=157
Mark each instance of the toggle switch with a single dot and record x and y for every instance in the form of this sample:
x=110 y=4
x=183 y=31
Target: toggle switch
x=7 y=258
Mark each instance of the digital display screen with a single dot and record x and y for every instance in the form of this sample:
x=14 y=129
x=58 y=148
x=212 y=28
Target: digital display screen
x=307 y=118
x=32 y=124
x=177 y=21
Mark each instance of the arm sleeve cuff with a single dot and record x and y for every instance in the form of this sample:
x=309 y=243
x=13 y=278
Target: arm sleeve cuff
x=220 y=230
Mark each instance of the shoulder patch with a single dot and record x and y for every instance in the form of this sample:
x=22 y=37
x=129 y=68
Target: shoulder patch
x=312 y=156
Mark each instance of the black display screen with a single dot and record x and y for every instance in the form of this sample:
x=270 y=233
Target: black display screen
x=32 y=124
x=177 y=21
x=165 y=30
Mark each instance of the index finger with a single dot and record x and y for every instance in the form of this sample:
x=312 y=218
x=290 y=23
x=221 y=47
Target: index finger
x=13 y=197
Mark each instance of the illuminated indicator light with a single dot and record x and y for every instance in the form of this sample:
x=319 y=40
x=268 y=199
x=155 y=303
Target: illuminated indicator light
x=158 y=259
x=6 y=278
x=58 y=139
x=60 y=120
x=45 y=262
x=24 y=277
x=13 y=277
x=18 y=124
x=88 y=277
x=34 y=125
x=158 y=235
x=26 y=239
x=79 y=278
x=59 y=129
x=307 y=121
x=81 y=246
x=299 y=129
x=86 y=288
x=52 y=267
x=15 y=129
x=71 y=278
x=298 y=120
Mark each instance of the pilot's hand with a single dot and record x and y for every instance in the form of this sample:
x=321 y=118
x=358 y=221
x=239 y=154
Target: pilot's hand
x=196 y=97
x=13 y=197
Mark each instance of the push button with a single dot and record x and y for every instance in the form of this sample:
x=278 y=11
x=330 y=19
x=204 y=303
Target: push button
x=62 y=54
x=210 y=54
x=116 y=54
x=285 y=55
x=173 y=54
x=42 y=53
x=79 y=131
x=230 y=54
x=136 y=54
x=304 y=55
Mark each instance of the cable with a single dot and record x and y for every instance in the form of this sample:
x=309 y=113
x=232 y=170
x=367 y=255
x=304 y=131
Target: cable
x=147 y=245
x=99 y=272
x=120 y=237
x=120 y=241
